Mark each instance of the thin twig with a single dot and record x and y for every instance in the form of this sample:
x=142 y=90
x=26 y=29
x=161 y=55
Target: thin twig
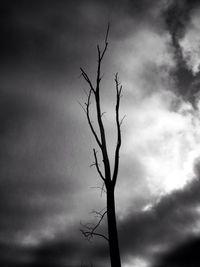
x=87 y=79
x=91 y=230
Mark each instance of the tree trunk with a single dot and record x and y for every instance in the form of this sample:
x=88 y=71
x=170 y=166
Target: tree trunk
x=112 y=229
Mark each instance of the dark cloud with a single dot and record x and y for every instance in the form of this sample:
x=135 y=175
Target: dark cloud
x=48 y=34
x=61 y=252
x=35 y=183
x=177 y=17
x=49 y=254
x=142 y=234
x=184 y=255
x=56 y=254
x=16 y=107
x=53 y=35
x=163 y=225
x=39 y=139
x=37 y=134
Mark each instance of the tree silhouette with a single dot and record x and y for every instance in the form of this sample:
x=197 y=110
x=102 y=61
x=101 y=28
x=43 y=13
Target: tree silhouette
x=108 y=176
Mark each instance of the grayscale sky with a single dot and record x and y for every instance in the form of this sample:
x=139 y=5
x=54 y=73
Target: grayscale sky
x=46 y=184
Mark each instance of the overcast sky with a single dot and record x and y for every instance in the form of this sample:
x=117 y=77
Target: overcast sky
x=47 y=186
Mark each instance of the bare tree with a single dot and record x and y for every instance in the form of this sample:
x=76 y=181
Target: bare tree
x=108 y=176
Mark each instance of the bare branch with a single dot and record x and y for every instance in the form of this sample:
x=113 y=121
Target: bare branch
x=87 y=104
x=106 y=42
x=89 y=235
x=89 y=120
x=102 y=142
x=107 y=32
x=91 y=230
x=109 y=181
x=98 y=213
x=98 y=110
x=101 y=54
x=118 y=122
x=97 y=165
x=101 y=218
x=87 y=79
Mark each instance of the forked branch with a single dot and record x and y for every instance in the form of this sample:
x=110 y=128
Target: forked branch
x=101 y=140
x=90 y=231
x=98 y=108
x=109 y=177
x=101 y=54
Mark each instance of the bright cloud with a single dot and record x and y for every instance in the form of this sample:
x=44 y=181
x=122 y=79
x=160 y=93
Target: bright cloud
x=136 y=262
x=161 y=132
x=166 y=141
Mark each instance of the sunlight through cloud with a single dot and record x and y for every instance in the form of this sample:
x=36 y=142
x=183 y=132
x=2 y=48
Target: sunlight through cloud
x=137 y=262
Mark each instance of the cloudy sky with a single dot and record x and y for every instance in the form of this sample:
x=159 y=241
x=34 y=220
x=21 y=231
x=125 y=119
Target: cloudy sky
x=46 y=184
